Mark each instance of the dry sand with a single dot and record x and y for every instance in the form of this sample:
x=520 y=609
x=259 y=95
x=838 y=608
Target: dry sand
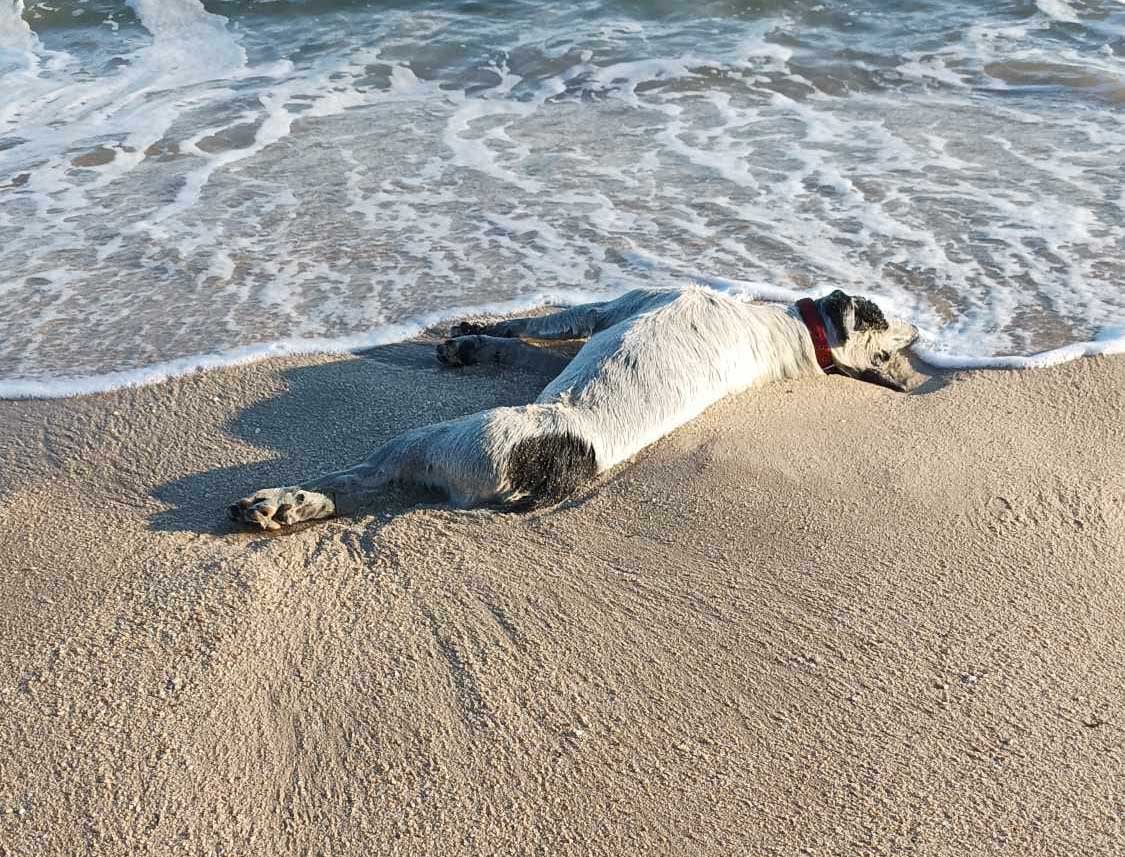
x=824 y=619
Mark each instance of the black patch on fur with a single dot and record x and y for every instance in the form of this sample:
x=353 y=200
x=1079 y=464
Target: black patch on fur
x=868 y=316
x=833 y=306
x=550 y=467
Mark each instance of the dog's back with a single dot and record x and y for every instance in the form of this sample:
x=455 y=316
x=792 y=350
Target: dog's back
x=655 y=370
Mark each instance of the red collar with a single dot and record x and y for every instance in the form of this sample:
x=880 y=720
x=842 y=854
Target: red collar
x=810 y=315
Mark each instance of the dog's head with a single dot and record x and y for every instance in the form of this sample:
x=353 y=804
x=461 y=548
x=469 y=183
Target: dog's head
x=864 y=344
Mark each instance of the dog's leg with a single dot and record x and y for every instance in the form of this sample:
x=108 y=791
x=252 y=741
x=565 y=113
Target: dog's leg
x=476 y=349
x=344 y=491
x=579 y=322
x=575 y=323
x=339 y=493
x=505 y=455
x=460 y=457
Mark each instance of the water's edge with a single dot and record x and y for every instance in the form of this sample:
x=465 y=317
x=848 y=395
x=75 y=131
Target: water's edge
x=1112 y=341
x=199 y=183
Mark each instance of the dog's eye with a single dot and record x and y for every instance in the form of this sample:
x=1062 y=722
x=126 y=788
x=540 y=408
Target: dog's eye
x=882 y=357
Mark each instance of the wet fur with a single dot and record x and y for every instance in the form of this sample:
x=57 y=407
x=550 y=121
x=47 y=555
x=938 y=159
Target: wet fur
x=654 y=359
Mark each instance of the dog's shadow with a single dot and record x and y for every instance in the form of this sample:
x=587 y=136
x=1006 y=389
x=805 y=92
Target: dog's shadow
x=929 y=379
x=333 y=414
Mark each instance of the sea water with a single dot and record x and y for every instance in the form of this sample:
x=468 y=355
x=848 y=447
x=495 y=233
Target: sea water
x=187 y=184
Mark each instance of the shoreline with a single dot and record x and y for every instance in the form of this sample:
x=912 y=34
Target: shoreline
x=822 y=616
x=433 y=324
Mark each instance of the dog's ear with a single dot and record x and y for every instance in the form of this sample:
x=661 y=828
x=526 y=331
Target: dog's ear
x=851 y=314
x=835 y=307
x=868 y=316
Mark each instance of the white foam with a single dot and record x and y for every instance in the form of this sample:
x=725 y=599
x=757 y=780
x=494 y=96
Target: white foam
x=188 y=40
x=750 y=290
x=1059 y=10
x=930 y=67
x=66 y=387
x=126 y=111
x=1102 y=346
x=23 y=58
x=16 y=36
x=473 y=151
x=274 y=126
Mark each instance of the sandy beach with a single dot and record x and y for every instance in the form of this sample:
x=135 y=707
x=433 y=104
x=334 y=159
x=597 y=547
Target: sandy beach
x=823 y=619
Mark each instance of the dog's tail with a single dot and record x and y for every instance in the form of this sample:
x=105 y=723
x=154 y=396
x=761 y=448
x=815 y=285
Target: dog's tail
x=547 y=468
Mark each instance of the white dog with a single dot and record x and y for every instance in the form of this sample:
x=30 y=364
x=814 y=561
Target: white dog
x=654 y=359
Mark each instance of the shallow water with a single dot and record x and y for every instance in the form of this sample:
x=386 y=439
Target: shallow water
x=235 y=179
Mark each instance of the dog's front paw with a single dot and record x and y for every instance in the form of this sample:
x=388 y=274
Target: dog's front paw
x=460 y=351
x=273 y=508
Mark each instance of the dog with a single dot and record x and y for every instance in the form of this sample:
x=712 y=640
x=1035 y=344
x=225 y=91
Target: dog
x=653 y=360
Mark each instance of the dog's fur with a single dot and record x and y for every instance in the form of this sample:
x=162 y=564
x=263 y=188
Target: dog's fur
x=654 y=359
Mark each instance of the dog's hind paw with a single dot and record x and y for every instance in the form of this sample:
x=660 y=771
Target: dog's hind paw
x=273 y=508
x=472 y=328
x=466 y=328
